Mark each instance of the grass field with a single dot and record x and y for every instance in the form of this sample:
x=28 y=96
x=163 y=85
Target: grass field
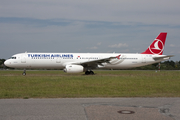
x=118 y=83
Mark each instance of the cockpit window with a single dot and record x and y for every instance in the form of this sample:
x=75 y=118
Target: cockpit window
x=13 y=58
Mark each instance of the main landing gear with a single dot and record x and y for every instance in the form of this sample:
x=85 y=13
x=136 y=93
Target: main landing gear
x=89 y=73
x=24 y=73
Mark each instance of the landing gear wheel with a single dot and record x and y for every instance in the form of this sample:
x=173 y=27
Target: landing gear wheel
x=24 y=73
x=89 y=73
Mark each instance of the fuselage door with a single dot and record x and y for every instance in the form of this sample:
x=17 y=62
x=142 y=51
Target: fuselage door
x=23 y=58
x=58 y=60
x=143 y=58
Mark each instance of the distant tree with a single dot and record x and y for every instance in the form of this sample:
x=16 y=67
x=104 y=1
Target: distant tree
x=166 y=65
x=169 y=65
x=178 y=65
x=2 y=62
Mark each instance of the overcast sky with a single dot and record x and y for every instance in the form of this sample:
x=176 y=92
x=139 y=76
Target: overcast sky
x=121 y=26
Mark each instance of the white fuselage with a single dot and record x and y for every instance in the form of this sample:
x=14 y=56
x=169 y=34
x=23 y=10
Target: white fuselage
x=60 y=60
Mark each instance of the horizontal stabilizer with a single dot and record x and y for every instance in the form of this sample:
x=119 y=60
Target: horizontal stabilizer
x=162 y=57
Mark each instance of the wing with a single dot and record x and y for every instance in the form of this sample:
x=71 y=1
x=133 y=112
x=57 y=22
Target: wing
x=94 y=63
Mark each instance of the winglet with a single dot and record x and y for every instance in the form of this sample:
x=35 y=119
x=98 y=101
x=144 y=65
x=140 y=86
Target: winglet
x=157 y=46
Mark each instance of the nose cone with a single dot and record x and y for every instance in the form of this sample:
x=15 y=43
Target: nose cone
x=7 y=63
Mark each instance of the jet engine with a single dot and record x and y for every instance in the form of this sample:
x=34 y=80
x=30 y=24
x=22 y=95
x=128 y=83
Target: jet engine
x=73 y=68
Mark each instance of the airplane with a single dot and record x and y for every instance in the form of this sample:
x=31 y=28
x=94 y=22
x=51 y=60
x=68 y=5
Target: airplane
x=86 y=62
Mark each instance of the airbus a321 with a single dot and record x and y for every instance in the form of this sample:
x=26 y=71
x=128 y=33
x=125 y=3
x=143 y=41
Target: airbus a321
x=86 y=62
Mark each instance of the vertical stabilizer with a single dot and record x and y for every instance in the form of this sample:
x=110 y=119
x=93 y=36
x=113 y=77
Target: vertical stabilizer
x=157 y=46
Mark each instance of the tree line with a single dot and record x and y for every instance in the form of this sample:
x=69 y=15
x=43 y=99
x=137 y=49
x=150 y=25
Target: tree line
x=166 y=65
x=2 y=63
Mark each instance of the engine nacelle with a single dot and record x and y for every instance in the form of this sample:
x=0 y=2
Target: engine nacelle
x=73 y=68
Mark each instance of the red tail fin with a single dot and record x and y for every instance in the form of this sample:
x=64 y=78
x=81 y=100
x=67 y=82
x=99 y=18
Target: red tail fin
x=157 y=46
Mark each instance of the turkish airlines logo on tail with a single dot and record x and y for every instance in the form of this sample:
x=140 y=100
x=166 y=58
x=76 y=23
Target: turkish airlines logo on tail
x=156 y=47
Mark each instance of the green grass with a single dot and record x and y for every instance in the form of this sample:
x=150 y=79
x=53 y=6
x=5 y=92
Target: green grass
x=57 y=84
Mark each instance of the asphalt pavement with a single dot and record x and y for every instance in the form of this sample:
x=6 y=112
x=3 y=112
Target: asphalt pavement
x=90 y=109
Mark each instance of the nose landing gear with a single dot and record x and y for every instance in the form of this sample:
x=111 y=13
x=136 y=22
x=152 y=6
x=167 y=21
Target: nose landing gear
x=24 y=73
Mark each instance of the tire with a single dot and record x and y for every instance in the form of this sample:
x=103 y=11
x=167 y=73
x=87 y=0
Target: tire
x=24 y=73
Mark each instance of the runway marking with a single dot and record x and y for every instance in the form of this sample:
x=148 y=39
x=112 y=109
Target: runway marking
x=109 y=111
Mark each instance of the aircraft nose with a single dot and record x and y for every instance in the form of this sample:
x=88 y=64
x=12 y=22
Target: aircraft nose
x=7 y=63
